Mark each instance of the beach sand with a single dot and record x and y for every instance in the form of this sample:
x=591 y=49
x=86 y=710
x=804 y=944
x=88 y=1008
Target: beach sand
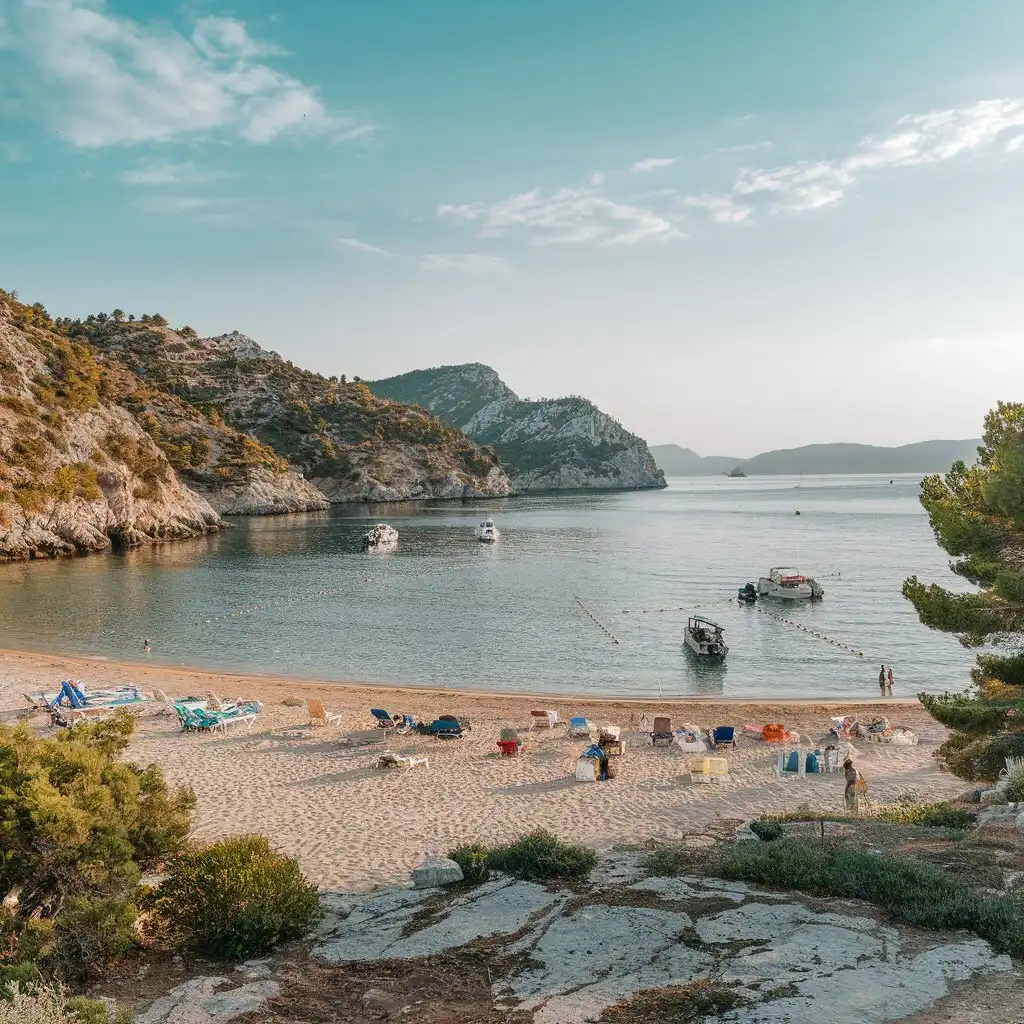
x=353 y=827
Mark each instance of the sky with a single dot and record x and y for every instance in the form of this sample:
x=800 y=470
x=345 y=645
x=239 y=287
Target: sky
x=735 y=226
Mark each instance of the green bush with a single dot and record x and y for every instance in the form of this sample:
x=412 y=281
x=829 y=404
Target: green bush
x=473 y=858
x=78 y=825
x=767 y=831
x=543 y=856
x=938 y=815
x=979 y=760
x=918 y=894
x=1014 y=791
x=669 y=861
x=237 y=898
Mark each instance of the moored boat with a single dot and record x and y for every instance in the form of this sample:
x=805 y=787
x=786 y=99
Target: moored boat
x=747 y=593
x=487 y=532
x=789 y=585
x=704 y=638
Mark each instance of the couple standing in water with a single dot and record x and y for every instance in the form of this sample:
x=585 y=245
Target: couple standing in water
x=885 y=681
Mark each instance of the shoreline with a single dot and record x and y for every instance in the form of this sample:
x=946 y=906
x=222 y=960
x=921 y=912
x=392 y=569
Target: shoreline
x=253 y=680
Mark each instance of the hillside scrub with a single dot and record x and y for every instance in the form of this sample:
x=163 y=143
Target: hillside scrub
x=79 y=826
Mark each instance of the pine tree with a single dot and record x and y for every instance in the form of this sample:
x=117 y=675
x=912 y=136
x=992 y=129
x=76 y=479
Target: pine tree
x=977 y=514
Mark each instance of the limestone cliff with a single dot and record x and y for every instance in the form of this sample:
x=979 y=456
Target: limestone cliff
x=551 y=444
x=349 y=444
x=77 y=473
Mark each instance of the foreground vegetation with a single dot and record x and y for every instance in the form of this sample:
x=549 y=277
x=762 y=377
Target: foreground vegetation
x=537 y=856
x=79 y=826
x=977 y=515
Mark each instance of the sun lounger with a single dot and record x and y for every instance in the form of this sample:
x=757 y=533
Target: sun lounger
x=580 y=726
x=395 y=723
x=661 y=732
x=722 y=736
x=444 y=728
x=401 y=761
x=543 y=719
x=705 y=769
x=690 y=740
x=363 y=738
x=319 y=716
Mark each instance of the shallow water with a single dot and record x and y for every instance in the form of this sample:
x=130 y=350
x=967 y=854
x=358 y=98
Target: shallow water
x=293 y=595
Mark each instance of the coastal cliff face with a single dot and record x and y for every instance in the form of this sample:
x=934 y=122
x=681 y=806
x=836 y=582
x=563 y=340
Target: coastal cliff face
x=551 y=444
x=77 y=473
x=348 y=444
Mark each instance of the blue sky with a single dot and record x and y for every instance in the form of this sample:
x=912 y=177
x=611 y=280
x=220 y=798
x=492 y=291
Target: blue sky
x=734 y=225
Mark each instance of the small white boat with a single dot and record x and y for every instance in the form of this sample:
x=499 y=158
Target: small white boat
x=789 y=585
x=382 y=538
x=487 y=532
x=704 y=638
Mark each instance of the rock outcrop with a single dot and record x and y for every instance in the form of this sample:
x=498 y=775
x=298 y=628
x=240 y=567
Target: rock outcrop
x=264 y=491
x=551 y=444
x=78 y=474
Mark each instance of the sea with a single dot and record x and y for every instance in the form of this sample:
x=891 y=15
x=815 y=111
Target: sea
x=585 y=593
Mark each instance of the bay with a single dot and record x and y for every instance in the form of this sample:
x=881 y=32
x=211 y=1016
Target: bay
x=541 y=610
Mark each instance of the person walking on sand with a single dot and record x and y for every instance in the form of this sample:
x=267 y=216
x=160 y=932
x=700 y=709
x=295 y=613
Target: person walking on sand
x=850 y=796
x=881 y=680
x=888 y=680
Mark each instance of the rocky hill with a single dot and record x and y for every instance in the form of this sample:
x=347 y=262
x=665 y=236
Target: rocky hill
x=551 y=444
x=922 y=457
x=77 y=472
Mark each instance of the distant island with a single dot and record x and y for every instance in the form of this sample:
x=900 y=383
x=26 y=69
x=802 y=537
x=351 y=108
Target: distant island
x=922 y=457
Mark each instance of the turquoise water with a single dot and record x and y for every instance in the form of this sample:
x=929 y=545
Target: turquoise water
x=294 y=595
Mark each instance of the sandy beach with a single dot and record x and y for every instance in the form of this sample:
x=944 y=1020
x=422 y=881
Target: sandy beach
x=352 y=826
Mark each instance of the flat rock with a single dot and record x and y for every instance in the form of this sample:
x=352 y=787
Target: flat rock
x=992 y=796
x=206 y=1001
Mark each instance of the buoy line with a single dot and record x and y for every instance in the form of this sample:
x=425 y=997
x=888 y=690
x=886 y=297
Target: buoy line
x=811 y=632
x=597 y=622
x=271 y=603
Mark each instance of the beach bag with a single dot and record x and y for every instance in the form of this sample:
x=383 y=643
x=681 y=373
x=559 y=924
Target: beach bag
x=587 y=769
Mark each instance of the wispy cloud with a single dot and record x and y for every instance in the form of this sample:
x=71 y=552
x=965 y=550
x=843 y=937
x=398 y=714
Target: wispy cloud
x=466 y=262
x=569 y=215
x=358 y=246
x=597 y=178
x=917 y=139
x=721 y=209
x=165 y=172
x=747 y=147
x=652 y=163
x=101 y=79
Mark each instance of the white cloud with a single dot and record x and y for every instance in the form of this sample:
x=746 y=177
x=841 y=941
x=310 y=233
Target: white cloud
x=596 y=179
x=102 y=79
x=467 y=262
x=918 y=139
x=652 y=163
x=569 y=215
x=358 y=246
x=1015 y=143
x=721 y=209
x=747 y=147
x=164 y=172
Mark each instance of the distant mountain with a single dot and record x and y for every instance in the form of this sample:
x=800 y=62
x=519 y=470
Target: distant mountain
x=922 y=457
x=551 y=444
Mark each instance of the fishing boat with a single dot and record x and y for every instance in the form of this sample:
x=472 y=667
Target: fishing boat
x=704 y=638
x=487 y=532
x=737 y=472
x=381 y=538
x=789 y=585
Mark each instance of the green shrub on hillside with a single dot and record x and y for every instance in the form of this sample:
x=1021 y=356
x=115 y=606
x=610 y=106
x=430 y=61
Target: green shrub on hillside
x=78 y=825
x=542 y=856
x=237 y=898
x=473 y=858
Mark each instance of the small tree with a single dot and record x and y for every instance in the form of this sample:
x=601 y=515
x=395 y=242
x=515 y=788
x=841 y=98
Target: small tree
x=977 y=515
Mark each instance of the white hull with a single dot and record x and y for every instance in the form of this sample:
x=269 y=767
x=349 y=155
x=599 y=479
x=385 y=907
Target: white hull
x=487 y=533
x=382 y=539
x=766 y=588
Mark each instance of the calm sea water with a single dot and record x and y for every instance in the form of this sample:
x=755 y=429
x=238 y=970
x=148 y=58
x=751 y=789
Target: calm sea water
x=294 y=595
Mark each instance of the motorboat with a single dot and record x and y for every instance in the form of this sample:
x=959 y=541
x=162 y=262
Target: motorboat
x=737 y=472
x=487 y=532
x=789 y=585
x=747 y=593
x=382 y=538
x=704 y=638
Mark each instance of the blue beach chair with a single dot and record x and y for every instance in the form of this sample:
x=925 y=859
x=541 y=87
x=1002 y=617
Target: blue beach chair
x=723 y=736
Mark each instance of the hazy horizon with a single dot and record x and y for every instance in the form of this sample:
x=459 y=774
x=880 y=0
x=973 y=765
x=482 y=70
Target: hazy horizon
x=735 y=228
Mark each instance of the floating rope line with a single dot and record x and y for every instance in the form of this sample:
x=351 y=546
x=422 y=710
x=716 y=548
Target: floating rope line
x=272 y=603
x=597 y=622
x=650 y=611
x=811 y=632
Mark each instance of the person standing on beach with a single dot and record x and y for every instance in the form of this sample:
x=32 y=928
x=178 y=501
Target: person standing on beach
x=881 y=680
x=888 y=681
x=850 y=796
